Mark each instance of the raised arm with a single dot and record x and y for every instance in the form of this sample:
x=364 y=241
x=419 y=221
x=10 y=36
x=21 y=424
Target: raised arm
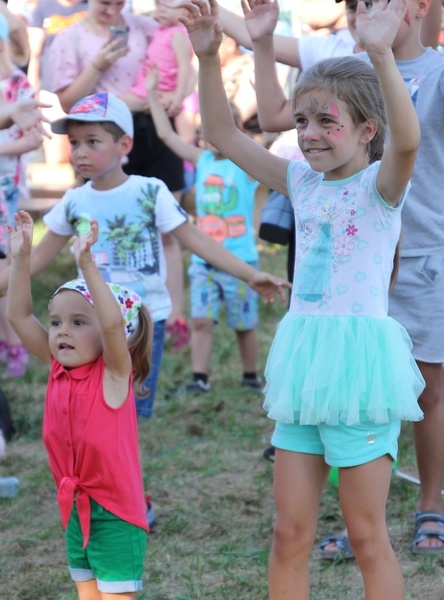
x=163 y=125
x=377 y=30
x=115 y=350
x=218 y=126
x=286 y=48
x=19 y=302
x=274 y=109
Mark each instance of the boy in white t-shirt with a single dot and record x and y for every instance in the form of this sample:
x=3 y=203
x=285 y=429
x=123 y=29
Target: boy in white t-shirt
x=132 y=212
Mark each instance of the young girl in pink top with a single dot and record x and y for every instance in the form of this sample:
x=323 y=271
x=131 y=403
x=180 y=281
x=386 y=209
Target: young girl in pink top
x=90 y=423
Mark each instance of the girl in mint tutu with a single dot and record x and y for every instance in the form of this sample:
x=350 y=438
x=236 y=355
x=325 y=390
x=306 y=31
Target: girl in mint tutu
x=340 y=375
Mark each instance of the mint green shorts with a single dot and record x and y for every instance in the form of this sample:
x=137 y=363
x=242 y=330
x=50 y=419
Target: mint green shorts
x=341 y=445
x=114 y=555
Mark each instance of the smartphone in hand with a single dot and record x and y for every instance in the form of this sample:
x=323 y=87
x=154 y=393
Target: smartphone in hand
x=119 y=33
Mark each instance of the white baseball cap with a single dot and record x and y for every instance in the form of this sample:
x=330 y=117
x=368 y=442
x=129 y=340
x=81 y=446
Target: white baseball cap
x=98 y=108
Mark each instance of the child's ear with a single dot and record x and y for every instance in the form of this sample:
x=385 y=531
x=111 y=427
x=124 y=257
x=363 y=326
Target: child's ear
x=368 y=131
x=422 y=8
x=126 y=144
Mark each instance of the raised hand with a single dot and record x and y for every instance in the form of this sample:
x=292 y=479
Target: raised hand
x=20 y=236
x=268 y=286
x=204 y=27
x=82 y=245
x=377 y=26
x=152 y=77
x=261 y=17
x=27 y=115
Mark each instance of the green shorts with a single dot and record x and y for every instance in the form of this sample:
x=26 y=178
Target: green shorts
x=341 y=445
x=114 y=555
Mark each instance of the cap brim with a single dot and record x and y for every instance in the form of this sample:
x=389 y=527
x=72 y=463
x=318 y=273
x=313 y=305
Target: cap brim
x=59 y=126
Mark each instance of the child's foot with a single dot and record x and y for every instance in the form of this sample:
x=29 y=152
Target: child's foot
x=252 y=383
x=18 y=358
x=2 y=445
x=198 y=386
x=150 y=516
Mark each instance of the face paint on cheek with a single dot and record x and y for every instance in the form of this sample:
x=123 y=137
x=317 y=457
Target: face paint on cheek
x=407 y=18
x=337 y=131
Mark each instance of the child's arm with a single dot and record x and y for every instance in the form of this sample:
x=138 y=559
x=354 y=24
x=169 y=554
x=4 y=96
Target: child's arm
x=115 y=350
x=219 y=257
x=274 y=109
x=163 y=125
x=377 y=30
x=19 y=302
x=286 y=48
x=219 y=128
x=29 y=142
x=182 y=52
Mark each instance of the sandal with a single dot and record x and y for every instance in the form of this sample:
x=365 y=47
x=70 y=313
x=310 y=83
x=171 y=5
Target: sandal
x=422 y=534
x=344 y=551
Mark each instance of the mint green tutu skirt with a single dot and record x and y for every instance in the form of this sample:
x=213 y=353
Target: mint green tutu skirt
x=341 y=369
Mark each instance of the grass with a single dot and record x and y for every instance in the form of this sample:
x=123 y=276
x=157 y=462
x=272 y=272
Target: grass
x=212 y=490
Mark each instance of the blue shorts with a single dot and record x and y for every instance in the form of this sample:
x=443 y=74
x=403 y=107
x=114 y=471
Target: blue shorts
x=144 y=406
x=211 y=287
x=340 y=445
x=115 y=553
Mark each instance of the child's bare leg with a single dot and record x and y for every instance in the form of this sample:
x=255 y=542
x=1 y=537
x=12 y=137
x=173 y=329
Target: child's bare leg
x=201 y=338
x=88 y=590
x=298 y=483
x=363 y=493
x=248 y=348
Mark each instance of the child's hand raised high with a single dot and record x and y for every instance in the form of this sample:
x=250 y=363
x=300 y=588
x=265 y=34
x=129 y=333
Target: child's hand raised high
x=204 y=28
x=20 y=236
x=82 y=245
x=152 y=77
x=378 y=25
x=261 y=17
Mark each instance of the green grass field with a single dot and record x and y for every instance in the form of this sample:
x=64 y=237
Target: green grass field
x=212 y=490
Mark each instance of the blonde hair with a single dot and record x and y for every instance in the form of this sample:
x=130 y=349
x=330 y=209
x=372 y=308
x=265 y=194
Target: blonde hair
x=354 y=82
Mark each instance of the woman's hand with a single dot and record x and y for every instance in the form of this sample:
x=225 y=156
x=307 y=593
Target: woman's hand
x=108 y=54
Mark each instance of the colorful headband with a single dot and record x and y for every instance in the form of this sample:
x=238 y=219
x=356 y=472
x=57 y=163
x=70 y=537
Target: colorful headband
x=129 y=302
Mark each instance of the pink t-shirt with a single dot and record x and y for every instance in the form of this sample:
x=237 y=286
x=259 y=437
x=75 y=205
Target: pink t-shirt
x=92 y=448
x=160 y=51
x=74 y=49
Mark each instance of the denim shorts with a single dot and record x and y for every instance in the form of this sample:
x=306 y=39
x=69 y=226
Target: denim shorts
x=144 y=406
x=210 y=288
x=341 y=445
x=114 y=555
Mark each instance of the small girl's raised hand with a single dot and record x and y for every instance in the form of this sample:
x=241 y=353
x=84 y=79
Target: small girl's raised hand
x=377 y=26
x=268 y=286
x=82 y=245
x=204 y=27
x=20 y=236
x=261 y=17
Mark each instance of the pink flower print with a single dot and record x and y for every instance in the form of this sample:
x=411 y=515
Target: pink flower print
x=343 y=245
x=351 y=230
x=352 y=212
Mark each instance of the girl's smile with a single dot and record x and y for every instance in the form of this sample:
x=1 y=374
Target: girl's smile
x=328 y=138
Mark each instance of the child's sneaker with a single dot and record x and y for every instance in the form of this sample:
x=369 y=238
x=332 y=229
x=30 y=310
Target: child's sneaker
x=199 y=386
x=252 y=383
x=18 y=358
x=4 y=351
x=150 y=516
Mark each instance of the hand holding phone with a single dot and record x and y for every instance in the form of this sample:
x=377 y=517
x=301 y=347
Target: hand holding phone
x=119 y=33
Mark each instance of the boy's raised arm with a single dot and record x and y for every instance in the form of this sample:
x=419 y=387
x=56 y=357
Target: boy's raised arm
x=377 y=29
